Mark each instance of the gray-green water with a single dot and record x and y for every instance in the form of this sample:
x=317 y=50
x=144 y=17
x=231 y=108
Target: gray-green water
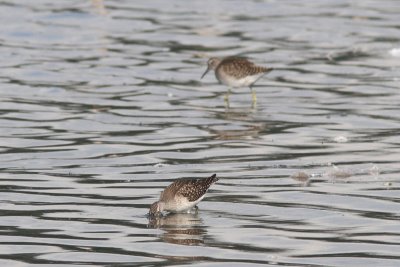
x=102 y=106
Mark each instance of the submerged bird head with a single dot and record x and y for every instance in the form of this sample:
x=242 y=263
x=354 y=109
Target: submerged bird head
x=212 y=64
x=156 y=208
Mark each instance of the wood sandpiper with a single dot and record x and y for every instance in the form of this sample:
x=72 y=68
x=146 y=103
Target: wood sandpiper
x=182 y=195
x=236 y=72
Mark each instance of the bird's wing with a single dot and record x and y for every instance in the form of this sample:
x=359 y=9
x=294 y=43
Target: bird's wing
x=241 y=67
x=192 y=189
x=195 y=188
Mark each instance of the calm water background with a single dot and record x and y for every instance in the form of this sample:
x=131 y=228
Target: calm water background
x=102 y=106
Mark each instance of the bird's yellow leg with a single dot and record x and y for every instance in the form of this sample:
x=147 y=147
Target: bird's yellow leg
x=226 y=98
x=254 y=97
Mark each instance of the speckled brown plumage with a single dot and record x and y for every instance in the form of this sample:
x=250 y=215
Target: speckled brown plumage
x=240 y=67
x=182 y=195
x=236 y=71
x=192 y=189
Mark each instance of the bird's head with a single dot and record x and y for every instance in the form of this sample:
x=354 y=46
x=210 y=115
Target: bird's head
x=156 y=208
x=212 y=64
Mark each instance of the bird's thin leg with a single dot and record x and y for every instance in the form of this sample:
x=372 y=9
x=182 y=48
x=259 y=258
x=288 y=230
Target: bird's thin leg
x=195 y=208
x=226 y=98
x=254 y=96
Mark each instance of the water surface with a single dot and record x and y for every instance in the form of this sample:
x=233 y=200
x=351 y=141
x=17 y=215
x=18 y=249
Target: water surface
x=102 y=106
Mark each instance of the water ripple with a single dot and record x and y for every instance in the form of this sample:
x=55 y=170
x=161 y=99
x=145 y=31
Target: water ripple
x=102 y=106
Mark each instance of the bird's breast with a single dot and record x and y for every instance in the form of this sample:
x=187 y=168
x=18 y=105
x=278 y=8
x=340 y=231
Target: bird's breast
x=233 y=81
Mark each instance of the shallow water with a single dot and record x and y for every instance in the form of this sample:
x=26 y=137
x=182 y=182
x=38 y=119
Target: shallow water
x=102 y=106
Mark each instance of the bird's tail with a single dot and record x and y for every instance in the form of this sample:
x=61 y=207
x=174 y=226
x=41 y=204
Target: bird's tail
x=260 y=69
x=268 y=70
x=212 y=179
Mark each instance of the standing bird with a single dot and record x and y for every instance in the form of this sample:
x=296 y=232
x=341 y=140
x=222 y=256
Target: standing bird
x=236 y=72
x=182 y=195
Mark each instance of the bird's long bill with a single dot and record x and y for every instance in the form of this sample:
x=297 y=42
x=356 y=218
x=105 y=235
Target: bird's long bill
x=204 y=74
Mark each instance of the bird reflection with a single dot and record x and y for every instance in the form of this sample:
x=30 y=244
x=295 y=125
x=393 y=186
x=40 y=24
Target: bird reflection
x=99 y=7
x=180 y=228
x=249 y=133
x=241 y=125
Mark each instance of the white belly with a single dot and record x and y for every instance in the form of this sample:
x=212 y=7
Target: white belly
x=242 y=82
x=181 y=205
